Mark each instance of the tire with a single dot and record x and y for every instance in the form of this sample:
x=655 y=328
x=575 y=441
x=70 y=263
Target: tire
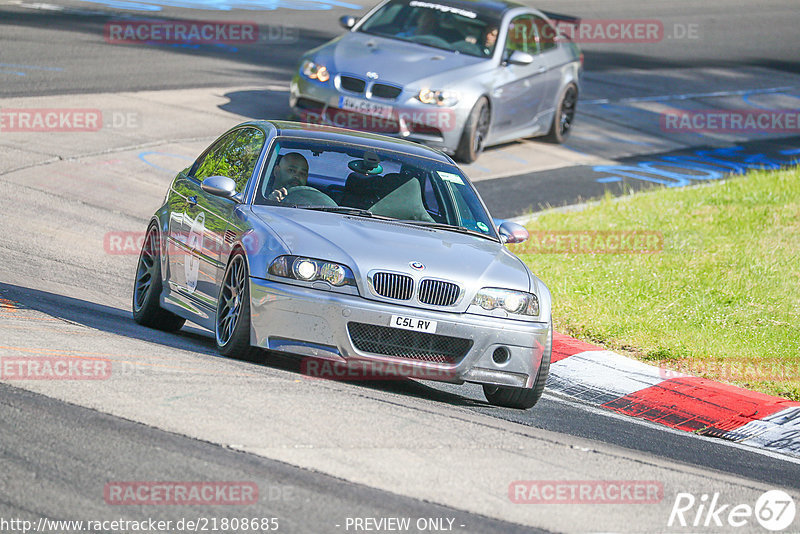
x=232 y=324
x=564 y=117
x=147 y=287
x=473 y=138
x=522 y=398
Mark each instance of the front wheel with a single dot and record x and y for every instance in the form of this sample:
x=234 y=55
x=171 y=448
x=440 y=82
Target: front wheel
x=522 y=398
x=564 y=116
x=147 y=287
x=233 y=312
x=476 y=130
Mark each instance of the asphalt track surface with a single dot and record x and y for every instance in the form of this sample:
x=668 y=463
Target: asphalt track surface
x=55 y=454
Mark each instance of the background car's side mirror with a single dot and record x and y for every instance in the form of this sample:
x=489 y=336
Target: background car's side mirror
x=347 y=21
x=519 y=57
x=511 y=232
x=220 y=186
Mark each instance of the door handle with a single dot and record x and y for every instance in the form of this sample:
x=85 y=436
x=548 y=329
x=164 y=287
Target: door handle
x=192 y=200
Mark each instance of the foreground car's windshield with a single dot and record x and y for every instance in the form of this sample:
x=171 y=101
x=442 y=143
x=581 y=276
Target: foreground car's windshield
x=361 y=180
x=435 y=24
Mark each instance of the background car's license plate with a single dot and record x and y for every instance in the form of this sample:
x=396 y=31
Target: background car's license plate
x=413 y=323
x=365 y=106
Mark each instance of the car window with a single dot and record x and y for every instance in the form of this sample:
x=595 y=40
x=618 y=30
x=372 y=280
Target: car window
x=547 y=34
x=439 y=25
x=522 y=35
x=234 y=155
x=383 y=182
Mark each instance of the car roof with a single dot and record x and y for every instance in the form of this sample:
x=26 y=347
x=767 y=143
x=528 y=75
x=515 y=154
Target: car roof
x=301 y=130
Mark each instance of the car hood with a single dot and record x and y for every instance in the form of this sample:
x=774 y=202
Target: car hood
x=394 y=61
x=365 y=245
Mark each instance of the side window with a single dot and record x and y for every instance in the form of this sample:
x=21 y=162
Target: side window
x=522 y=36
x=234 y=156
x=547 y=34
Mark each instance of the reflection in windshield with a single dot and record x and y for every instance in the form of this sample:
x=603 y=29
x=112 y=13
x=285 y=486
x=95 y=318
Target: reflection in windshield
x=435 y=24
x=362 y=181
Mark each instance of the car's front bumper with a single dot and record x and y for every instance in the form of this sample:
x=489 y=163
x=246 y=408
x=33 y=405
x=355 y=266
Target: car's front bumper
x=312 y=322
x=412 y=120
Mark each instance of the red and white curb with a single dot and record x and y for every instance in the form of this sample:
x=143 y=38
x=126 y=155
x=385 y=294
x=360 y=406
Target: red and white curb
x=684 y=402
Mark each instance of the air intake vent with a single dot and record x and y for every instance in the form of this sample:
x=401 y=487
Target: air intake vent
x=438 y=292
x=420 y=346
x=354 y=85
x=230 y=236
x=393 y=286
x=381 y=90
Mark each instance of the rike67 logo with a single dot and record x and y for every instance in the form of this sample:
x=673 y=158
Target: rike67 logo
x=774 y=510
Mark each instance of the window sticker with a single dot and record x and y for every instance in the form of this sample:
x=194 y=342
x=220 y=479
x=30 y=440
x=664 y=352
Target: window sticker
x=450 y=177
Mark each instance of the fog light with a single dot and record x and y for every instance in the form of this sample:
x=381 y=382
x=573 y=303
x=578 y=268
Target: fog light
x=501 y=355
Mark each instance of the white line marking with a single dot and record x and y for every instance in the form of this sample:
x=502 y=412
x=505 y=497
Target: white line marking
x=686 y=96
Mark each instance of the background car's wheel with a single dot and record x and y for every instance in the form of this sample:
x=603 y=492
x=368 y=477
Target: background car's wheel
x=475 y=131
x=564 y=116
x=147 y=287
x=522 y=398
x=233 y=312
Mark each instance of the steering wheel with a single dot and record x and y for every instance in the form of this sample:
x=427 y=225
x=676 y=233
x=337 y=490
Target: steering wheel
x=431 y=40
x=304 y=195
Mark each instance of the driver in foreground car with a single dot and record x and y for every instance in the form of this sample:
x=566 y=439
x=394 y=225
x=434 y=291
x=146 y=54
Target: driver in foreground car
x=291 y=171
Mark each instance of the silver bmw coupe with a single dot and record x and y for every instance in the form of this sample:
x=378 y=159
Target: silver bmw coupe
x=459 y=75
x=346 y=248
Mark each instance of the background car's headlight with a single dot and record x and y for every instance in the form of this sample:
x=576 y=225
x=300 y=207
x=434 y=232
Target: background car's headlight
x=310 y=270
x=315 y=71
x=517 y=302
x=439 y=98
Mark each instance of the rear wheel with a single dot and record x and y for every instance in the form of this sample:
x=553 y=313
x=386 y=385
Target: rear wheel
x=522 y=398
x=233 y=312
x=147 y=287
x=565 y=115
x=473 y=138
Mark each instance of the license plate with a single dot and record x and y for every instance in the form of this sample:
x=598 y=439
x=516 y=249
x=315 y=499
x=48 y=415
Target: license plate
x=413 y=323
x=365 y=106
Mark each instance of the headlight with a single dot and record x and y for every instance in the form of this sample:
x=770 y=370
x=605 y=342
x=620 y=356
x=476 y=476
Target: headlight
x=439 y=98
x=310 y=270
x=517 y=302
x=315 y=71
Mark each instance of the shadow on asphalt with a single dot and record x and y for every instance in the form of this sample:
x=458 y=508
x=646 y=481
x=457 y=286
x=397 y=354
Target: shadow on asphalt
x=192 y=338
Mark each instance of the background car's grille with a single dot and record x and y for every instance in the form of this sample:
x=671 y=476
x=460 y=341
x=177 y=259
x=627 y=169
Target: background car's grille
x=381 y=90
x=349 y=83
x=438 y=292
x=393 y=286
x=400 y=343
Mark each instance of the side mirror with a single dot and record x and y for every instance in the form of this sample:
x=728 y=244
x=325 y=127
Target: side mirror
x=347 y=21
x=519 y=57
x=511 y=232
x=220 y=186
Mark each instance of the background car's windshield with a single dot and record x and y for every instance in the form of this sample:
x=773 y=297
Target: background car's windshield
x=434 y=24
x=386 y=183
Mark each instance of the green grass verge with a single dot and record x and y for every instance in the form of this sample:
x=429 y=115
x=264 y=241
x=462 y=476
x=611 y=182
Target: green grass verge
x=720 y=300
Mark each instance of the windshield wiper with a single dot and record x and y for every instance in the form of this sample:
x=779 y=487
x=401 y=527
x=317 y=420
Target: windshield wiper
x=347 y=210
x=450 y=227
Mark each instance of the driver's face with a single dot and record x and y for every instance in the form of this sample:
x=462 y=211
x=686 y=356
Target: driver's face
x=291 y=172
